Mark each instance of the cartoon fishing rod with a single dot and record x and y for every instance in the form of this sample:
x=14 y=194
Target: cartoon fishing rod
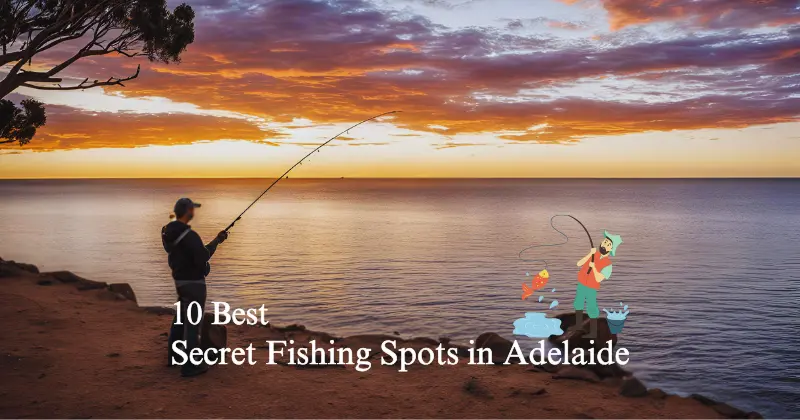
x=540 y=279
x=595 y=268
x=300 y=162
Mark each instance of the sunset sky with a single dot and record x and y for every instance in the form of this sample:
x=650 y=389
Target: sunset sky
x=487 y=88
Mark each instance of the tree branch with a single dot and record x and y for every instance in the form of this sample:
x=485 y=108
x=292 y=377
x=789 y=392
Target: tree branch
x=87 y=28
x=85 y=85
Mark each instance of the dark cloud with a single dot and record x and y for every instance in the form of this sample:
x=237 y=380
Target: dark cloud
x=516 y=24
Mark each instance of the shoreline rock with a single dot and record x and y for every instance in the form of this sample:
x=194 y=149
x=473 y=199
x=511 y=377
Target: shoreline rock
x=218 y=336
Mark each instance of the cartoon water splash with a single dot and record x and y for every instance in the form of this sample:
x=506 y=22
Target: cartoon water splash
x=541 y=297
x=537 y=325
x=616 y=319
x=620 y=315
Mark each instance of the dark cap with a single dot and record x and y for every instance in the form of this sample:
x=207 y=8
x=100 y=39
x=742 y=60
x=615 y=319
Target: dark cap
x=183 y=205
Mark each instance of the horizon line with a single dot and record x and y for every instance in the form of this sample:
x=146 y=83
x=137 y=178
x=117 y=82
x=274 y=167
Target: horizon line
x=418 y=178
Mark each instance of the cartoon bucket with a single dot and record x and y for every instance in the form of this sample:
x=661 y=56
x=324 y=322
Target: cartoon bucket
x=615 y=326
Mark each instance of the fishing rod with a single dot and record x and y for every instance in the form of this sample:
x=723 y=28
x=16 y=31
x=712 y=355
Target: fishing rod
x=566 y=239
x=591 y=242
x=301 y=161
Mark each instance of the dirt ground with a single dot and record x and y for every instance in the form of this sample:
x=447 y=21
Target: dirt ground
x=79 y=354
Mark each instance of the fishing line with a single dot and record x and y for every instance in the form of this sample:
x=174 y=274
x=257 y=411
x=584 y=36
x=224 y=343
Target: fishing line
x=566 y=239
x=299 y=162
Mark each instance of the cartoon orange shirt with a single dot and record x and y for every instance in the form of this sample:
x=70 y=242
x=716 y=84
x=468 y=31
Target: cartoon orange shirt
x=600 y=264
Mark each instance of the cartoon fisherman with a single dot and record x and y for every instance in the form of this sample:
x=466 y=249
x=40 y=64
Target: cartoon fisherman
x=595 y=268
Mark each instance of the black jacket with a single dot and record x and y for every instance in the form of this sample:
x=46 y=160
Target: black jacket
x=189 y=258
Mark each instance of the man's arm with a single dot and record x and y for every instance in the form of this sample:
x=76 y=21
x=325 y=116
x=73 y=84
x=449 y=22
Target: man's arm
x=212 y=246
x=583 y=260
x=601 y=275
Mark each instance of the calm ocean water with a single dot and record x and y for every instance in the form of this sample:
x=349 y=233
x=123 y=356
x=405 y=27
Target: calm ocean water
x=710 y=268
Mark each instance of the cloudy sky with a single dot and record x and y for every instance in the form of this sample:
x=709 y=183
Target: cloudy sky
x=487 y=88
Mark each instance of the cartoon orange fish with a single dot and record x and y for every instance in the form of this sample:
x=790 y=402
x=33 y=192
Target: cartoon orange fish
x=539 y=281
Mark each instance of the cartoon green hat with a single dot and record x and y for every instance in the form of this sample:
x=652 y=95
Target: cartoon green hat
x=616 y=240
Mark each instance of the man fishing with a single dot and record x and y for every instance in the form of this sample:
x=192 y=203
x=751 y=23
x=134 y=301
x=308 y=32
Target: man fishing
x=188 y=259
x=595 y=268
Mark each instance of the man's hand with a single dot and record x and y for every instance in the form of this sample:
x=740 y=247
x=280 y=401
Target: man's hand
x=593 y=251
x=591 y=265
x=221 y=237
x=583 y=260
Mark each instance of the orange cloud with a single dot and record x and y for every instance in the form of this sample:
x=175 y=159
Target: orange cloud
x=714 y=14
x=333 y=62
x=69 y=128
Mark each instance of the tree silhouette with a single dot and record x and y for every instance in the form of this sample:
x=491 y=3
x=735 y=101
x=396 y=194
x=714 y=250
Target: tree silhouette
x=85 y=28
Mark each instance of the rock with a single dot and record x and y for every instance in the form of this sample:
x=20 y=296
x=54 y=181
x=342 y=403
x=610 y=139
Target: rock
x=447 y=343
x=123 y=289
x=461 y=351
x=12 y=268
x=572 y=372
x=724 y=409
x=371 y=341
x=81 y=283
x=475 y=387
x=325 y=337
x=64 y=276
x=293 y=327
x=632 y=387
x=703 y=399
x=499 y=346
x=657 y=393
x=729 y=411
x=28 y=267
x=45 y=282
x=608 y=371
x=576 y=339
x=423 y=341
x=567 y=319
x=213 y=336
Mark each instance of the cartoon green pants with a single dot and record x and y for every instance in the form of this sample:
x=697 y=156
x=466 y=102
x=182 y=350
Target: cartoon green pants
x=588 y=296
